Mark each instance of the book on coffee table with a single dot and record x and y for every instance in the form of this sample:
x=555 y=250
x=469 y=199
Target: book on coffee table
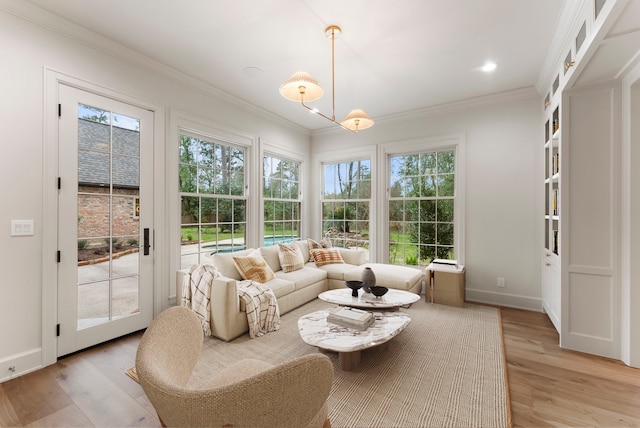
x=351 y=317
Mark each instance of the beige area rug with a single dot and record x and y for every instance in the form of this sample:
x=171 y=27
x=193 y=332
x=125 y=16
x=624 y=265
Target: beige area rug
x=446 y=369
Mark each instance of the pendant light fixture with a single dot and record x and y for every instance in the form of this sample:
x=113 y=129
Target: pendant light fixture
x=302 y=87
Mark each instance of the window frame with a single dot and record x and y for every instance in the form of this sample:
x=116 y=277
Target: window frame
x=264 y=199
x=421 y=145
x=184 y=122
x=324 y=200
x=214 y=197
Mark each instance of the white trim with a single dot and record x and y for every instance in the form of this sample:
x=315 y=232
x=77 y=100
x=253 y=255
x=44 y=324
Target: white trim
x=628 y=334
x=504 y=299
x=22 y=363
x=52 y=79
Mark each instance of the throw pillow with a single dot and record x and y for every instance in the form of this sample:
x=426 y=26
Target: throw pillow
x=254 y=267
x=326 y=256
x=313 y=245
x=290 y=257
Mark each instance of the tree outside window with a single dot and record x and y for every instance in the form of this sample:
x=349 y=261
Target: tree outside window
x=281 y=200
x=421 y=207
x=212 y=198
x=346 y=203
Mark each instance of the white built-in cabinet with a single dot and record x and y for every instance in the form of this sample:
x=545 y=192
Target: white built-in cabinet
x=581 y=143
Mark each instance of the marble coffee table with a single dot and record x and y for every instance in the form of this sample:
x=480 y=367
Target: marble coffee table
x=393 y=299
x=347 y=342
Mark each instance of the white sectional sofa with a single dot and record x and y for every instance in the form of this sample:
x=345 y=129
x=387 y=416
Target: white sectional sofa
x=292 y=289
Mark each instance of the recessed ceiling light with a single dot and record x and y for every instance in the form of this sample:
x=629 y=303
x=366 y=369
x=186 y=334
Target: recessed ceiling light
x=252 y=72
x=489 y=66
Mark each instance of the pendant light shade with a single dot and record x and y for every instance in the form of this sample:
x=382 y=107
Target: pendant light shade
x=301 y=87
x=357 y=120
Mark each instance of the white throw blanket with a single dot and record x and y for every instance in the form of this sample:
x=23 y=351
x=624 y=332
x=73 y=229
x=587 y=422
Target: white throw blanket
x=263 y=314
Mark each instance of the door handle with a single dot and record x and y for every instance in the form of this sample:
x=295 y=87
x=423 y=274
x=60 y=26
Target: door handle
x=146 y=244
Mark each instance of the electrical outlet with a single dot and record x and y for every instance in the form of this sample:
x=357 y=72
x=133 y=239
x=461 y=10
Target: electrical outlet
x=500 y=282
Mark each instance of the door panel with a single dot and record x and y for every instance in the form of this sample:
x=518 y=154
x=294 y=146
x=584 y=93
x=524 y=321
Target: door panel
x=104 y=281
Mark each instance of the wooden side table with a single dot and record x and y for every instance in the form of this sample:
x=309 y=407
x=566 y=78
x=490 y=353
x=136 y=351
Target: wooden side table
x=446 y=284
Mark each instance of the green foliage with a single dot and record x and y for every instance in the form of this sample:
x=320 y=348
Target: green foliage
x=82 y=244
x=425 y=182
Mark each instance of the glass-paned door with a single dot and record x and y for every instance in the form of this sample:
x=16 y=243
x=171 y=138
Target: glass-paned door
x=105 y=219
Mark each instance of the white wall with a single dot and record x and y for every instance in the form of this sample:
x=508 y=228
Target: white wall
x=503 y=182
x=27 y=51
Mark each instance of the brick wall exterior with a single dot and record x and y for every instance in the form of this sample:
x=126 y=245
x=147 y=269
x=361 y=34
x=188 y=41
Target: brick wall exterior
x=93 y=215
x=96 y=167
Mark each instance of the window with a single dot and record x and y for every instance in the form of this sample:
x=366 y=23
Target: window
x=281 y=193
x=421 y=207
x=212 y=198
x=346 y=203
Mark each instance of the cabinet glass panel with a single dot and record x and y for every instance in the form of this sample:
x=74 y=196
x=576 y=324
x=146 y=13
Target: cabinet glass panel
x=547 y=166
x=555 y=121
x=568 y=62
x=546 y=233
x=598 y=6
x=546 y=132
x=581 y=37
x=546 y=201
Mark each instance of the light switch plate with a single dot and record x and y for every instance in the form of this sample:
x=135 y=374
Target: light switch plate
x=21 y=227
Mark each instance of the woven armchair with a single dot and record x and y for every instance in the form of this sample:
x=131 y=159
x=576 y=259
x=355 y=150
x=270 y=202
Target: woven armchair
x=250 y=393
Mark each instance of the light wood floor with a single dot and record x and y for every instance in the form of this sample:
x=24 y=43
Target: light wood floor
x=548 y=386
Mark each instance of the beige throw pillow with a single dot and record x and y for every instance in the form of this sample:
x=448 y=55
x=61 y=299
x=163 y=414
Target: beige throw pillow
x=291 y=257
x=254 y=267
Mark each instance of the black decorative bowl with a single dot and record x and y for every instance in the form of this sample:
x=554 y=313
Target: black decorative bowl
x=355 y=286
x=379 y=291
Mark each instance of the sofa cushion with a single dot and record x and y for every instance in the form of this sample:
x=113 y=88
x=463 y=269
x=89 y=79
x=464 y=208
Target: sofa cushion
x=326 y=256
x=270 y=255
x=291 y=258
x=336 y=270
x=254 y=267
x=303 y=277
x=279 y=286
x=353 y=256
x=224 y=263
x=392 y=276
x=304 y=249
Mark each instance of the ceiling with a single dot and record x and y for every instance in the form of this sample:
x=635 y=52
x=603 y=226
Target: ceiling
x=392 y=56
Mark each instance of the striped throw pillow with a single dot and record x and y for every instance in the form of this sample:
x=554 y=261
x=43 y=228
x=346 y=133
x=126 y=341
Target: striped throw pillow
x=326 y=256
x=290 y=257
x=254 y=267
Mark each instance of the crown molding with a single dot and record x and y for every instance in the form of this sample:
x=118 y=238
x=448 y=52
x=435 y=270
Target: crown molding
x=482 y=101
x=44 y=19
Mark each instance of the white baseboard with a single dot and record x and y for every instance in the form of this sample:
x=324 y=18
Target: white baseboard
x=503 y=299
x=20 y=364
